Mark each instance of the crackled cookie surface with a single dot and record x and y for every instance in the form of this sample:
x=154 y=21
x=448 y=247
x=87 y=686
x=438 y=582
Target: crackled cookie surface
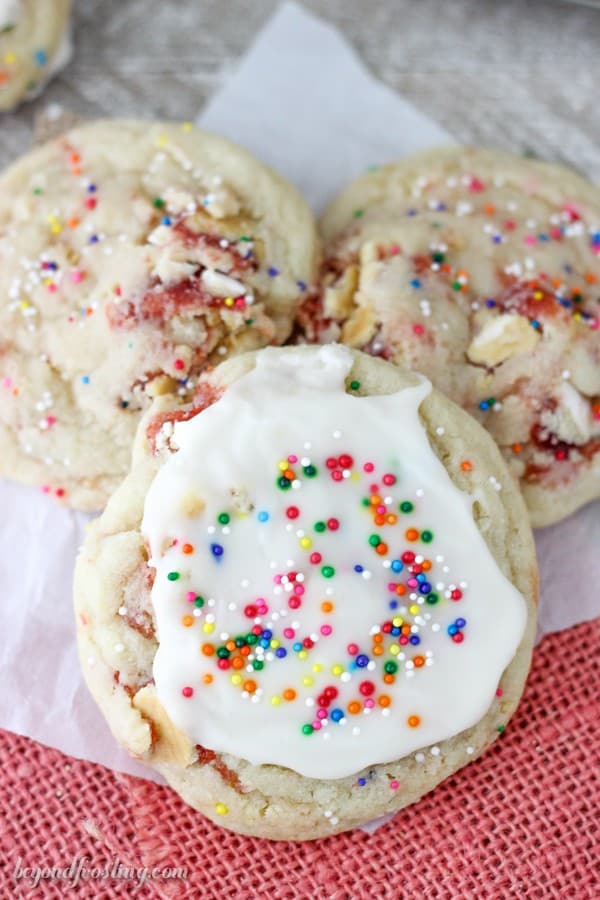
x=309 y=602
x=34 y=45
x=481 y=270
x=132 y=254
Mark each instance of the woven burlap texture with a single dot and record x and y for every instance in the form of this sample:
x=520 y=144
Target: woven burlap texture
x=520 y=822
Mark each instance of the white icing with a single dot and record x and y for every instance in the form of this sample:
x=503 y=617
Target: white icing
x=295 y=403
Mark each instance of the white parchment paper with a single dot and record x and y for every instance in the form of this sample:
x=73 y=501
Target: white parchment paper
x=302 y=101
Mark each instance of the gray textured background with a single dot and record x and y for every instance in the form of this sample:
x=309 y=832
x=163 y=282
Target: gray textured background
x=518 y=74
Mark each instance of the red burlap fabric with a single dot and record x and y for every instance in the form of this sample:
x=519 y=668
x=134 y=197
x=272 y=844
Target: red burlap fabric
x=521 y=822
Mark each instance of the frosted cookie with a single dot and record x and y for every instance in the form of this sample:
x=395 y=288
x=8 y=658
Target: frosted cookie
x=132 y=254
x=481 y=270
x=34 y=45
x=314 y=596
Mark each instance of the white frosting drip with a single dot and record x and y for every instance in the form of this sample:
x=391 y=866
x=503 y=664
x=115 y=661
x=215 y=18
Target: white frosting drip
x=296 y=403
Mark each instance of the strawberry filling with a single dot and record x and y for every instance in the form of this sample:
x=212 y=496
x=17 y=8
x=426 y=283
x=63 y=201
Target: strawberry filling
x=311 y=322
x=560 y=450
x=204 y=397
x=162 y=302
x=527 y=298
x=130 y=689
x=190 y=238
x=141 y=622
x=210 y=758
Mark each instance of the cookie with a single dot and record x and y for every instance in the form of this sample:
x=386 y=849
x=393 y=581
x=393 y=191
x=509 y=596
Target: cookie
x=481 y=270
x=34 y=45
x=313 y=598
x=132 y=254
